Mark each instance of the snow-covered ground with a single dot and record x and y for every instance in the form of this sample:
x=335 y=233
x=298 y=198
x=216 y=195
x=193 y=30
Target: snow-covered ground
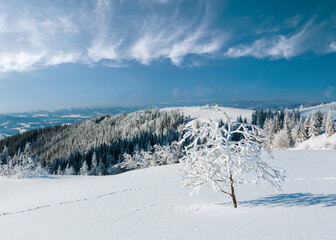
x=151 y=204
x=322 y=107
x=318 y=142
x=206 y=112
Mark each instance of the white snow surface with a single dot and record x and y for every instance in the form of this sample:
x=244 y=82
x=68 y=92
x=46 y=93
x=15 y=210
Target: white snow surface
x=203 y=112
x=151 y=204
x=322 y=107
x=318 y=142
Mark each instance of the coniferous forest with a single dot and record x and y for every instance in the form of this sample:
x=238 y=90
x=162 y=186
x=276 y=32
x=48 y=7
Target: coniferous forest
x=99 y=143
x=113 y=144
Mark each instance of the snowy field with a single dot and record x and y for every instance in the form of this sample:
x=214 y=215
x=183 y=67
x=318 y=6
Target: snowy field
x=151 y=204
x=324 y=108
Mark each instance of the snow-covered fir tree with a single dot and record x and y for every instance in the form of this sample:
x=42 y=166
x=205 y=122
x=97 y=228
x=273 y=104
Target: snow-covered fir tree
x=330 y=125
x=212 y=157
x=59 y=170
x=301 y=133
x=276 y=123
x=315 y=125
x=324 y=122
x=93 y=168
x=319 y=117
x=84 y=170
x=22 y=165
x=69 y=170
x=101 y=170
x=306 y=126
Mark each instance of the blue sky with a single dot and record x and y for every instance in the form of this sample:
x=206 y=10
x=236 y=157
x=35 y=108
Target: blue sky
x=64 y=53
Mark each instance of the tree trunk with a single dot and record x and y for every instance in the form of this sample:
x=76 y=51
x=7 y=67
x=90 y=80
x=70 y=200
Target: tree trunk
x=232 y=194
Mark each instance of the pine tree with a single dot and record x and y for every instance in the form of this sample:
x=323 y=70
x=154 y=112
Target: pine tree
x=59 y=170
x=306 y=126
x=315 y=125
x=27 y=150
x=69 y=170
x=5 y=155
x=324 y=122
x=287 y=120
x=330 y=125
x=93 y=169
x=84 y=170
x=319 y=117
x=276 y=124
x=101 y=170
x=301 y=134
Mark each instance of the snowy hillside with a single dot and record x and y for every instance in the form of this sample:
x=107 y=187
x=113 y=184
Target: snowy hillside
x=318 y=142
x=322 y=107
x=206 y=112
x=151 y=204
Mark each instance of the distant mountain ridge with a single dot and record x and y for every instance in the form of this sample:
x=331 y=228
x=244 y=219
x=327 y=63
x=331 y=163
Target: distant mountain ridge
x=14 y=123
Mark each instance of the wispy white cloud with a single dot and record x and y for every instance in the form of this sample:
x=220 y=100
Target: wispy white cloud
x=332 y=47
x=103 y=30
x=330 y=92
x=113 y=34
x=61 y=57
x=279 y=46
x=19 y=61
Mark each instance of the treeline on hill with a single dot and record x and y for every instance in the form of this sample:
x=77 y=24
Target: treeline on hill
x=286 y=128
x=98 y=143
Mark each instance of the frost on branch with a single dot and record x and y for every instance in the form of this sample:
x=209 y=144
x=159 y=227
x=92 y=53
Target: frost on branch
x=214 y=156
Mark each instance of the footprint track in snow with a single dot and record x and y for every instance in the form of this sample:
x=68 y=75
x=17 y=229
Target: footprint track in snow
x=71 y=202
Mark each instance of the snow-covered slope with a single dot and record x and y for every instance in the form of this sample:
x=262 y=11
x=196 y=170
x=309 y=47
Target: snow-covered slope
x=318 y=142
x=206 y=112
x=151 y=204
x=322 y=107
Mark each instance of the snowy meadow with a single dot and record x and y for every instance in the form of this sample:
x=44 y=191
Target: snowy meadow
x=152 y=204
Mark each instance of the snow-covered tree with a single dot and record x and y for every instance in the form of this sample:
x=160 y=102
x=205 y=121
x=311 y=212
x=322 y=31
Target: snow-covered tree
x=168 y=154
x=276 y=124
x=306 y=126
x=69 y=170
x=22 y=165
x=5 y=155
x=287 y=120
x=137 y=161
x=315 y=125
x=59 y=170
x=269 y=132
x=324 y=121
x=93 y=168
x=281 y=140
x=27 y=150
x=84 y=170
x=101 y=170
x=330 y=125
x=211 y=157
x=301 y=134
x=319 y=117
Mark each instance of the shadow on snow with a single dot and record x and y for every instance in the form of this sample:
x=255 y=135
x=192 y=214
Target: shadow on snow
x=293 y=200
